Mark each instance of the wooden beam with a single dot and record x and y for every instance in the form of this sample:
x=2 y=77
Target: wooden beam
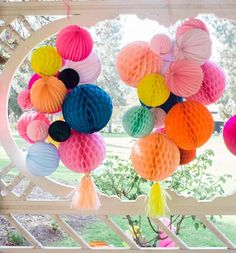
x=154 y=8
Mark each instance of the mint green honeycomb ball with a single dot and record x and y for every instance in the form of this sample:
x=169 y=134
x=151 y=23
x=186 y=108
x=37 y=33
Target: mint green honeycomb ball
x=138 y=121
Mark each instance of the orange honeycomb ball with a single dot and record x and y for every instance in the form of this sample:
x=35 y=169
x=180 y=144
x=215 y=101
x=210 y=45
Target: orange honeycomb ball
x=155 y=157
x=186 y=156
x=189 y=124
x=136 y=60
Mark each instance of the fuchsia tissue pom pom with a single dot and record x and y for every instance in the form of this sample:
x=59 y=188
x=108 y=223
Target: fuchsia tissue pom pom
x=74 y=43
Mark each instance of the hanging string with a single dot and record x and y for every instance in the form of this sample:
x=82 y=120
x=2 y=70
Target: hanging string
x=170 y=14
x=67 y=5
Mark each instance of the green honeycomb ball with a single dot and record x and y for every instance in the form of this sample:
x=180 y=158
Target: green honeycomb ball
x=138 y=121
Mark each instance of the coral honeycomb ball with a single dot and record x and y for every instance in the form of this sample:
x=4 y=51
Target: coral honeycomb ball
x=155 y=157
x=136 y=60
x=189 y=124
x=186 y=156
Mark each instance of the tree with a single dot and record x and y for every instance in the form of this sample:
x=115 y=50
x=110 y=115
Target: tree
x=225 y=32
x=107 y=42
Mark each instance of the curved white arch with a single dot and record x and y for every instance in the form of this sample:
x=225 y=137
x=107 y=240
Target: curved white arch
x=16 y=155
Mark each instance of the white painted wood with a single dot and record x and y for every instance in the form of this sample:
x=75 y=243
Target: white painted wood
x=114 y=250
x=22 y=231
x=15 y=182
x=171 y=234
x=6 y=169
x=119 y=232
x=14 y=33
x=155 y=9
x=216 y=232
x=27 y=191
x=26 y=24
x=70 y=231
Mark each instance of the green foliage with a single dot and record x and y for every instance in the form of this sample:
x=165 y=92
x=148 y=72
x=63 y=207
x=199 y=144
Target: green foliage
x=54 y=226
x=194 y=180
x=15 y=238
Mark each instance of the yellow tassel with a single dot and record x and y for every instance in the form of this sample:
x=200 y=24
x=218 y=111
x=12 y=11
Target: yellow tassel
x=157 y=206
x=85 y=196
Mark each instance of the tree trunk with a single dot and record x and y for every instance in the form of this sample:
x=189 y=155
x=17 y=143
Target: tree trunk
x=110 y=128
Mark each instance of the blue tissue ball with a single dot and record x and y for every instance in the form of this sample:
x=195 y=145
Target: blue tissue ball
x=87 y=108
x=42 y=159
x=170 y=102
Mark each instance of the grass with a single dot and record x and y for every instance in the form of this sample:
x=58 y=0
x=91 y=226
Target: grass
x=98 y=231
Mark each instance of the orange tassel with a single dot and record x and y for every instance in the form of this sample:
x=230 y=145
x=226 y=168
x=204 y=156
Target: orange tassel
x=85 y=196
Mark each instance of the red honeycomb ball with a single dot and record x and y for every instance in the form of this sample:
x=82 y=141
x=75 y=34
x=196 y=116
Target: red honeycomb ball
x=186 y=156
x=155 y=157
x=189 y=124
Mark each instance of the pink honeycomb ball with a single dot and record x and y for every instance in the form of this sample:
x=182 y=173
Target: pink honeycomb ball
x=37 y=130
x=82 y=153
x=159 y=117
x=213 y=85
x=24 y=121
x=23 y=100
x=229 y=134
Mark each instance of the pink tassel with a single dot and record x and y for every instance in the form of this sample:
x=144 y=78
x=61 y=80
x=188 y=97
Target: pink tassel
x=85 y=196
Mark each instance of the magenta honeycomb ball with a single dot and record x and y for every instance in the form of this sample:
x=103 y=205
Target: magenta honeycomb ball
x=229 y=134
x=82 y=153
x=213 y=84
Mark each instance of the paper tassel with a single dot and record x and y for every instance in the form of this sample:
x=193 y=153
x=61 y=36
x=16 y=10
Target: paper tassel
x=85 y=196
x=157 y=206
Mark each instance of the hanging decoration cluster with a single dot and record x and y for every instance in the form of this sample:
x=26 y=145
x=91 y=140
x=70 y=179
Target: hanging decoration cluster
x=64 y=83
x=175 y=80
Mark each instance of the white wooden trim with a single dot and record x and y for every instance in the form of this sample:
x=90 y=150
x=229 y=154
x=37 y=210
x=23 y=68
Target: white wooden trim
x=23 y=231
x=155 y=9
x=70 y=231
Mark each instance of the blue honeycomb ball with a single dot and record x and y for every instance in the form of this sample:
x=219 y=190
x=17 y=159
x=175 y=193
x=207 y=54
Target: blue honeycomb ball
x=87 y=108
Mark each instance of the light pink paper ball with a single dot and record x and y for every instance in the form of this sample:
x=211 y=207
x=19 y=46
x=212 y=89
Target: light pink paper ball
x=82 y=153
x=89 y=69
x=193 y=45
x=37 y=130
x=213 y=84
x=25 y=119
x=192 y=23
x=161 y=44
x=23 y=100
x=159 y=117
x=184 y=78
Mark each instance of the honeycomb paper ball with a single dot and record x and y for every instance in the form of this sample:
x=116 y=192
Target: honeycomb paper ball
x=37 y=130
x=23 y=100
x=229 y=134
x=24 y=121
x=69 y=77
x=213 y=84
x=159 y=117
x=89 y=69
x=170 y=102
x=46 y=61
x=32 y=80
x=184 y=78
x=138 y=121
x=74 y=43
x=192 y=23
x=87 y=108
x=47 y=94
x=82 y=153
x=193 y=45
x=136 y=60
x=186 y=156
x=59 y=131
x=152 y=90
x=42 y=159
x=161 y=44
x=189 y=124
x=155 y=157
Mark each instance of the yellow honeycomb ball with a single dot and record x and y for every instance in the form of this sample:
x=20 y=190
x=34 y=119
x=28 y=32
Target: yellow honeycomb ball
x=152 y=90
